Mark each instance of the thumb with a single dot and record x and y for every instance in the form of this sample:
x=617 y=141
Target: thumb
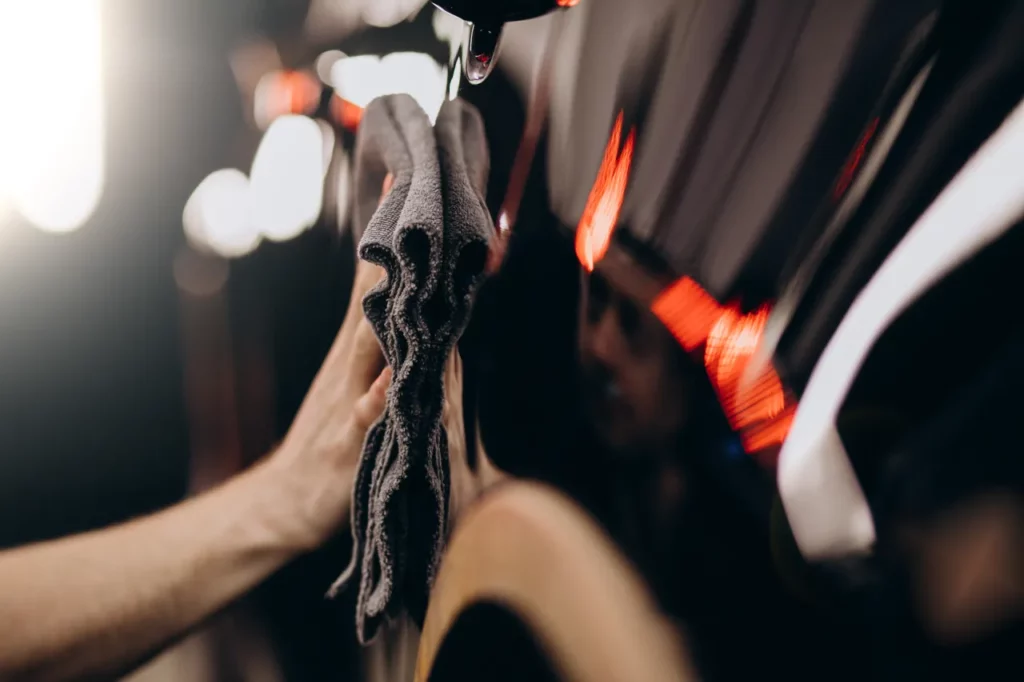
x=371 y=405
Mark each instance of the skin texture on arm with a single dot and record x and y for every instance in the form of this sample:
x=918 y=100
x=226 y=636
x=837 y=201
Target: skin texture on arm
x=92 y=606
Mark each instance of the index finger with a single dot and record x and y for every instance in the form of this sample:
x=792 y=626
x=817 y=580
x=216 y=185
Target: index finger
x=366 y=357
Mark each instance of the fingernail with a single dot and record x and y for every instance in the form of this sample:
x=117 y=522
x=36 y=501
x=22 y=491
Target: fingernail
x=383 y=379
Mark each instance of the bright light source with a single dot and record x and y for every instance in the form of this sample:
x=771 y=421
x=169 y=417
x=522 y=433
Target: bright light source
x=230 y=213
x=418 y=75
x=362 y=79
x=287 y=178
x=217 y=215
x=357 y=79
x=51 y=110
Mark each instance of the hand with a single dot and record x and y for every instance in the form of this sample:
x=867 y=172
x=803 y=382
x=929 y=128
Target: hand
x=317 y=461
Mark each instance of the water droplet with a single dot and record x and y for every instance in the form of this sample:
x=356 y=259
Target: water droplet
x=480 y=51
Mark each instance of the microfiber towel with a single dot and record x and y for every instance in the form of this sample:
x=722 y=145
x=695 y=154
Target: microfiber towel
x=431 y=235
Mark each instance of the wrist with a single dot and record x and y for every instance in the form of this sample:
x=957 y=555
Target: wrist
x=276 y=514
x=307 y=499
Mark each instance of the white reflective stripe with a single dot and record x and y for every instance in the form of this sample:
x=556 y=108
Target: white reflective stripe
x=826 y=507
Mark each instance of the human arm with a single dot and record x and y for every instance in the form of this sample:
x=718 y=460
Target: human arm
x=94 y=605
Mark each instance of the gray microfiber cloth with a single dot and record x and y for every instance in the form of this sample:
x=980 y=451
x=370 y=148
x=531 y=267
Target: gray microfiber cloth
x=431 y=235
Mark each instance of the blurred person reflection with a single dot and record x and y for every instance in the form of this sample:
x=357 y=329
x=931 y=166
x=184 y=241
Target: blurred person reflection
x=655 y=418
x=635 y=376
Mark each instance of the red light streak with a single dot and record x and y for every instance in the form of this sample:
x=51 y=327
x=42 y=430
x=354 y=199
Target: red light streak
x=769 y=433
x=850 y=170
x=688 y=311
x=757 y=409
x=345 y=113
x=601 y=213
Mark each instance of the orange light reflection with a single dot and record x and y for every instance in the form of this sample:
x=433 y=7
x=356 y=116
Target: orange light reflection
x=286 y=92
x=757 y=409
x=345 y=113
x=688 y=311
x=601 y=213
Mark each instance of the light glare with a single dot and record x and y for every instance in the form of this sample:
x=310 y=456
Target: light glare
x=217 y=215
x=363 y=78
x=286 y=180
x=51 y=111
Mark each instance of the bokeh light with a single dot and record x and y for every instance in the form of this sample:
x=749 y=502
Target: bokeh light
x=287 y=176
x=217 y=215
x=51 y=111
x=363 y=78
x=280 y=93
x=230 y=213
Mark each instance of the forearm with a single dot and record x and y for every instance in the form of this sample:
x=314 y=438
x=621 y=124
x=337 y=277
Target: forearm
x=89 y=606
